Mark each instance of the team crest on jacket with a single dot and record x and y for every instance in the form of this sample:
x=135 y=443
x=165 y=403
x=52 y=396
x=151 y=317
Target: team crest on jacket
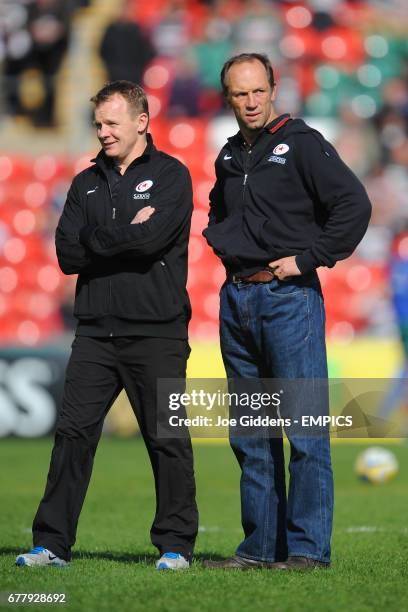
x=140 y=190
x=280 y=149
x=143 y=186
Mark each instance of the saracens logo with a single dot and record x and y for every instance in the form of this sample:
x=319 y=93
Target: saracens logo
x=143 y=186
x=280 y=149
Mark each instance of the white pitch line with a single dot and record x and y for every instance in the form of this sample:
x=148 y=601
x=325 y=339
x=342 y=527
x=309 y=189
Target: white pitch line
x=204 y=529
x=363 y=529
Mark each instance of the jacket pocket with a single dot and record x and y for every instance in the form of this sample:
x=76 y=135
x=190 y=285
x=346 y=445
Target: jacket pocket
x=145 y=295
x=92 y=297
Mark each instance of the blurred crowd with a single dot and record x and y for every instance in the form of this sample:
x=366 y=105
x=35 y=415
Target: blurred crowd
x=34 y=37
x=339 y=60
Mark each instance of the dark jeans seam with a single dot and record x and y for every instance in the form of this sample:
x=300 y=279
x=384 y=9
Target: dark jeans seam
x=268 y=496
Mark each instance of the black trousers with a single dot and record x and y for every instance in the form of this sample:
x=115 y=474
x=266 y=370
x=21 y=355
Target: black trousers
x=99 y=368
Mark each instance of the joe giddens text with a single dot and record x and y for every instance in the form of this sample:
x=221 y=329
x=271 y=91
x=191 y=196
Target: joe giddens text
x=259 y=421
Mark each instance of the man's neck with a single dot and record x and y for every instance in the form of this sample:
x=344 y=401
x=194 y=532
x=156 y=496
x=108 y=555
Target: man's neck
x=137 y=151
x=250 y=136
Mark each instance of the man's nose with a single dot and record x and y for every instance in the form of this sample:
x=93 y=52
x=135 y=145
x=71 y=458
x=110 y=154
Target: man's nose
x=251 y=101
x=103 y=131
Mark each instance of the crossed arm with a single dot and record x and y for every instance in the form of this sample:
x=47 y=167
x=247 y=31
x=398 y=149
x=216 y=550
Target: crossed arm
x=89 y=249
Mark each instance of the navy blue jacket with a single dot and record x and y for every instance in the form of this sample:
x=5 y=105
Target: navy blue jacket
x=290 y=194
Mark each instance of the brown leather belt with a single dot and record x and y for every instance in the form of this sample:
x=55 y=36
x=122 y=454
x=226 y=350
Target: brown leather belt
x=263 y=276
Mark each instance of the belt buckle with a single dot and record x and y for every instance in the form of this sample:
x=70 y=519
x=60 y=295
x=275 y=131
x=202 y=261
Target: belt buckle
x=235 y=279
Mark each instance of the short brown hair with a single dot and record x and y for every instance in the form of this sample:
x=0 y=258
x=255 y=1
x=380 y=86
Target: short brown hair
x=247 y=57
x=133 y=94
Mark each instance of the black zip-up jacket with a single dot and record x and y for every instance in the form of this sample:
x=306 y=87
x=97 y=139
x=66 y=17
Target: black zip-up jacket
x=275 y=201
x=132 y=278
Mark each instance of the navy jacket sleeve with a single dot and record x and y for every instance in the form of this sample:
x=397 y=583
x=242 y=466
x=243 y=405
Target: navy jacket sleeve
x=73 y=257
x=172 y=201
x=334 y=187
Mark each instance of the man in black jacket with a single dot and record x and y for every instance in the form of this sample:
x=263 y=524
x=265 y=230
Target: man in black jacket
x=124 y=230
x=283 y=204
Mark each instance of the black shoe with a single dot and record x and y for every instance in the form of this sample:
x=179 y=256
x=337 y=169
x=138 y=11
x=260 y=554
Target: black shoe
x=301 y=564
x=238 y=563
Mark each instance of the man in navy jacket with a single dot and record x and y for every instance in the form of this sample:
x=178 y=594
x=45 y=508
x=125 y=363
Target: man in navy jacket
x=124 y=229
x=283 y=204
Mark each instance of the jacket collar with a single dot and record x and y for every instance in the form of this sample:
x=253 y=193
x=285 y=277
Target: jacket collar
x=278 y=123
x=270 y=128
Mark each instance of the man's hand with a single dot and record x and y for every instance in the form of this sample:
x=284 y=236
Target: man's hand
x=143 y=215
x=285 y=268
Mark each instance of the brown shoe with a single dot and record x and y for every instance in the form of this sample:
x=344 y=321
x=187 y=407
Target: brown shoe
x=238 y=563
x=301 y=564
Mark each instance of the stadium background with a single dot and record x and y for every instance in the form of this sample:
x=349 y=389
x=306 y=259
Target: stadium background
x=341 y=65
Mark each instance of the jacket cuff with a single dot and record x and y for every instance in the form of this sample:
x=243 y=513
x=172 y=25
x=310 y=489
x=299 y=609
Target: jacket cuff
x=85 y=234
x=306 y=262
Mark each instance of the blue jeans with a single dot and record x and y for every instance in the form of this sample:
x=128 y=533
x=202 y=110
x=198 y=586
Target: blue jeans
x=277 y=330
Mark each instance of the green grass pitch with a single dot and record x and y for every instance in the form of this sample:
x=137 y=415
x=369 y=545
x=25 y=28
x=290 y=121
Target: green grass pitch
x=113 y=565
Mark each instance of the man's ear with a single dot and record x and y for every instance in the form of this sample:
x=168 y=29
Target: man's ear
x=143 y=122
x=273 y=93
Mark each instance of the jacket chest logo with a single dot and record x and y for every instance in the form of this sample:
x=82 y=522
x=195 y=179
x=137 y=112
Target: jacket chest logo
x=276 y=159
x=143 y=186
x=140 y=190
x=92 y=190
x=278 y=151
x=281 y=149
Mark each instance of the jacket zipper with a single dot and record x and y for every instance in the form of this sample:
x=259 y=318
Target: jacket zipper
x=246 y=170
x=110 y=281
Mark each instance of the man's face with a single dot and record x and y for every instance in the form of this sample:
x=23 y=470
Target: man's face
x=250 y=95
x=118 y=130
